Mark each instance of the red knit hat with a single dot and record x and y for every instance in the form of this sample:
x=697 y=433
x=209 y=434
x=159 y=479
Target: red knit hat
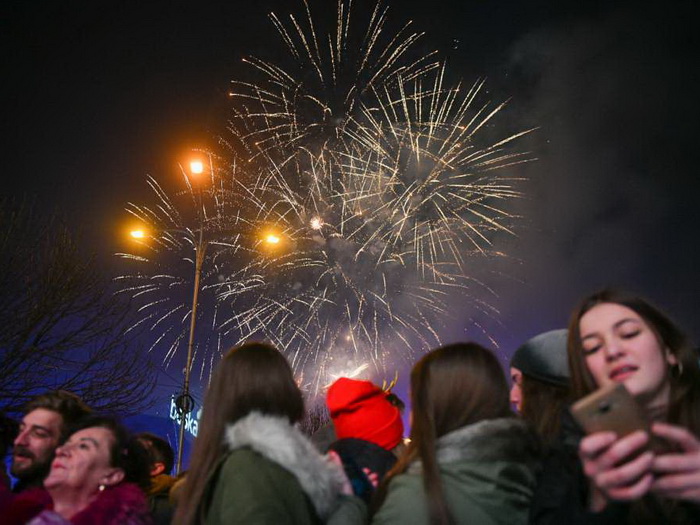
x=360 y=410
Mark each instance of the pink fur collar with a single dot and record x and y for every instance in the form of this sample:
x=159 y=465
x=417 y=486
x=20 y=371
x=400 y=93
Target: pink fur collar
x=123 y=504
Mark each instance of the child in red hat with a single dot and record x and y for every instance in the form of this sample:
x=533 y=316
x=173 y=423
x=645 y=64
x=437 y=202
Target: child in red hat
x=369 y=430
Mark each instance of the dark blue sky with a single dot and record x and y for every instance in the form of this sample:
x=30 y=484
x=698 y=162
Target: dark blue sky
x=99 y=94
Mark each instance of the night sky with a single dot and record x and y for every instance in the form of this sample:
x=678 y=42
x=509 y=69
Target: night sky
x=99 y=94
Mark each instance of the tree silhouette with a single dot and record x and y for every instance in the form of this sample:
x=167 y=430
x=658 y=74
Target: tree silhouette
x=60 y=324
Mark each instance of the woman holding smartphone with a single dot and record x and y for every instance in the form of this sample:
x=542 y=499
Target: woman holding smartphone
x=618 y=338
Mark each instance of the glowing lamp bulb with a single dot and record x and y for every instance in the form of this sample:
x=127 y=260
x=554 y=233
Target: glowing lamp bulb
x=196 y=167
x=272 y=239
x=138 y=234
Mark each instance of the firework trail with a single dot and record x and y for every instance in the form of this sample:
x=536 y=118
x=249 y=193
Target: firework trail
x=383 y=185
x=163 y=264
x=307 y=100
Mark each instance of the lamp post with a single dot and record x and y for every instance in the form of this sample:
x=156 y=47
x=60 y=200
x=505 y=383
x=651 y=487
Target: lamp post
x=184 y=401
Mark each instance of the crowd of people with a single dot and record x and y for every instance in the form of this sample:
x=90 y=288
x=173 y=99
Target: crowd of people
x=478 y=451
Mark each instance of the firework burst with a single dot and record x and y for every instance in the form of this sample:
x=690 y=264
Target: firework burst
x=306 y=100
x=209 y=215
x=377 y=186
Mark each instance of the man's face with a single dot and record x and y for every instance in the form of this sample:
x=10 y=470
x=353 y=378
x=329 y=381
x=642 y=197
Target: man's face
x=39 y=434
x=516 y=390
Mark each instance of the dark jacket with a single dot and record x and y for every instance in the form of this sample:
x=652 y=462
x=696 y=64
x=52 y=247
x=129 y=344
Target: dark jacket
x=488 y=476
x=273 y=474
x=159 y=499
x=358 y=454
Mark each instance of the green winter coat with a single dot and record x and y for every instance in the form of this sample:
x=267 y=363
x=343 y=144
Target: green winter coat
x=274 y=475
x=488 y=476
x=252 y=489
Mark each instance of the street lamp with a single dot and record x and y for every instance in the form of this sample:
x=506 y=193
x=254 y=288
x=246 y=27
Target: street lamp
x=196 y=167
x=184 y=401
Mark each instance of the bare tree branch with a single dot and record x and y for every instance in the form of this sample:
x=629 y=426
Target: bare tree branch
x=60 y=324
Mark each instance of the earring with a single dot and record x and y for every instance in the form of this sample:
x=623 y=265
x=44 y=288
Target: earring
x=102 y=488
x=678 y=369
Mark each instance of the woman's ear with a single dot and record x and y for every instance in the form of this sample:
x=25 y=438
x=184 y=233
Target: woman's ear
x=671 y=358
x=113 y=477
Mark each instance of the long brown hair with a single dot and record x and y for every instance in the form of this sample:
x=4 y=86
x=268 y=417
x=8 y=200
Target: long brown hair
x=451 y=387
x=251 y=377
x=684 y=406
x=543 y=404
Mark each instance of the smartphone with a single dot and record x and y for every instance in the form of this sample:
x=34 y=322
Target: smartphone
x=611 y=408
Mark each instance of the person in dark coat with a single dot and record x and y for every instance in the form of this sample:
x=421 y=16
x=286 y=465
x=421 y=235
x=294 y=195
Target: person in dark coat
x=161 y=460
x=540 y=389
x=369 y=431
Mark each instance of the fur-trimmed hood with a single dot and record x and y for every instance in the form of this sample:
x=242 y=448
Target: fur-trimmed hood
x=280 y=442
x=492 y=439
x=488 y=473
x=502 y=439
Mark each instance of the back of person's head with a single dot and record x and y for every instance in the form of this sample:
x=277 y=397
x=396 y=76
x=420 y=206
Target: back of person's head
x=451 y=387
x=160 y=454
x=544 y=358
x=361 y=410
x=68 y=405
x=253 y=377
x=544 y=383
x=543 y=406
x=454 y=386
x=126 y=452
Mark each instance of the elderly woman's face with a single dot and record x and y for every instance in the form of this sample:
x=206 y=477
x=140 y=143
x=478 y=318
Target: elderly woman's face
x=83 y=462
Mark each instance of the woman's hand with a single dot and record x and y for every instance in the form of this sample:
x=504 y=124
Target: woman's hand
x=615 y=467
x=677 y=473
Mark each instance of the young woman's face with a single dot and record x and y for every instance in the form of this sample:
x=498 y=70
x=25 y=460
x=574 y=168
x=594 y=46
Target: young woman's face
x=83 y=462
x=516 y=392
x=619 y=347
